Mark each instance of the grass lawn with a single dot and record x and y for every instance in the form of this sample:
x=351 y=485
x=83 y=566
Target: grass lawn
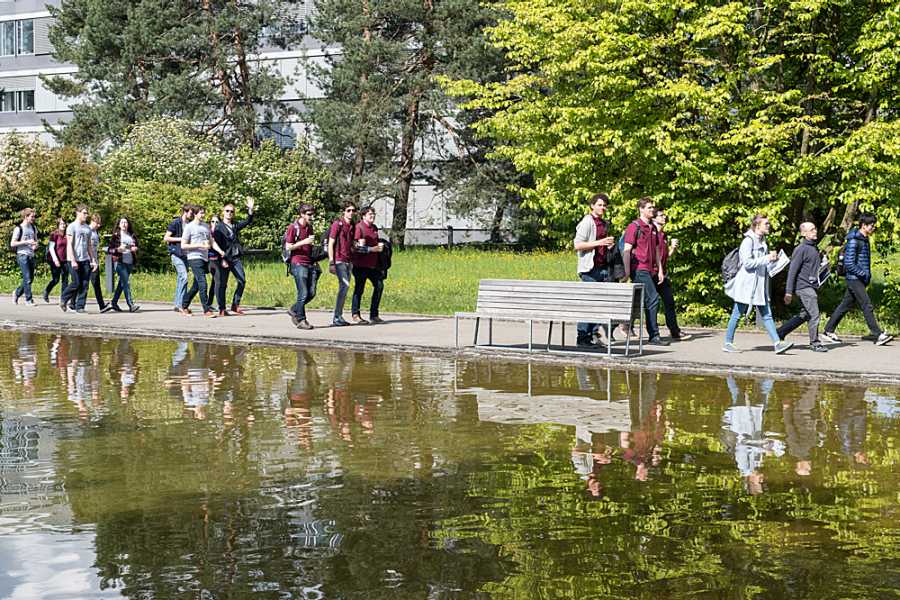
x=423 y=281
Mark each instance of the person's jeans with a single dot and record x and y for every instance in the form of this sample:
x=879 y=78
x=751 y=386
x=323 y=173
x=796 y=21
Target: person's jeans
x=360 y=275
x=809 y=311
x=57 y=273
x=305 y=278
x=80 y=279
x=236 y=268
x=855 y=294
x=98 y=289
x=342 y=272
x=651 y=300
x=199 y=268
x=181 y=278
x=741 y=309
x=597 y=274
x=123 y=271
x=218 y=285
x=668 y=301
x=26 y=266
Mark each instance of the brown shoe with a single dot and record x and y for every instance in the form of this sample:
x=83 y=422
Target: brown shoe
x=210 y=314
x=358 y=320
x=238 y=310
x=224 y=313
x=304 y=324
x=186 y=312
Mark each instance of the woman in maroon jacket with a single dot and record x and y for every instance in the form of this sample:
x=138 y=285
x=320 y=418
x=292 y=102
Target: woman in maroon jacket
x=56 y=256
x=123 y=250
x=365 y=263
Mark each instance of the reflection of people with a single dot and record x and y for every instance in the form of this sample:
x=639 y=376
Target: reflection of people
x=742 y=431
x=852 y=424
x=298 y=412
x=642 y=445
x=83 y=374
x=800 y=428
x=24 y=364
x=589 y=456
x=123 y=366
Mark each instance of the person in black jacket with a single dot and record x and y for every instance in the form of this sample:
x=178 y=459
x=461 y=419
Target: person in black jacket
x=858 y=274
x=803 y=280
x=227 y=236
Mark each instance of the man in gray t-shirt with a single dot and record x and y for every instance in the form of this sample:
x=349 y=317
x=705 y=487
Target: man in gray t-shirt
x=196 y=240
x=82 y=260
x=24 y=242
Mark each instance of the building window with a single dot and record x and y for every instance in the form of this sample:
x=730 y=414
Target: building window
x=18 y=101
x=26 y=37
x=16 y=37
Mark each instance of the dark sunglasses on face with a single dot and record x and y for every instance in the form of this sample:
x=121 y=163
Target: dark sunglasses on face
x=350 y=210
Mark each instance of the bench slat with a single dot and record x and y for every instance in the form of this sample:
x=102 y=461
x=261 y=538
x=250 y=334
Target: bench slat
x=558 y=316
x=569 y=307
x=580 y=288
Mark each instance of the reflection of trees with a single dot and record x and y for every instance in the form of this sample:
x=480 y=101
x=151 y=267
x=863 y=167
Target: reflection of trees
x=396 y=489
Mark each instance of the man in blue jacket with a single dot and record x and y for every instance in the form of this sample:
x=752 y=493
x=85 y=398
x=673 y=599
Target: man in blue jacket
x=858 y=274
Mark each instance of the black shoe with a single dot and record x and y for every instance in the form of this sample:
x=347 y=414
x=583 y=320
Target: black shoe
x=376 y=320
x=63 y=307
x=295 y=319
x=658 y=341
x=818 y=348
x=681 y=337
x=585 y=343
x=46 y=297
x=115 y=307
x=16 y=298
x=106 y=308
x=177 y=309
x=339 y=322
x=304 y=324
x=134 y=308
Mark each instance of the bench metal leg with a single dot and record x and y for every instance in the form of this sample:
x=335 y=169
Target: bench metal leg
x=609 y=337
x=549 y=335
x=562 y=330
x=628 y=340
x=641 y=330
x=456 y=330
x=490 y=332
x=477 y=323
x=530 y=335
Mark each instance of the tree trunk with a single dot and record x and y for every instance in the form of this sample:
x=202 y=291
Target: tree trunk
x=497 y=221
x=220 y=75
x=407 y=169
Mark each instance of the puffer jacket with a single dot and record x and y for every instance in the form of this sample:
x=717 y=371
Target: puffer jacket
x=751 y=284
x=857 y=257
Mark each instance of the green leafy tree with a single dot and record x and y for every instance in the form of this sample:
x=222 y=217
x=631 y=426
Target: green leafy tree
x=716 y=110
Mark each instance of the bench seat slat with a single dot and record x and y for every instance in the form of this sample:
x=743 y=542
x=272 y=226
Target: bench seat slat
x=582 y=289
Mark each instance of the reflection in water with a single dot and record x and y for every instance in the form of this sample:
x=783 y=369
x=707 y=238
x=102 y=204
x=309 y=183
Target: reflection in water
x=181 y=469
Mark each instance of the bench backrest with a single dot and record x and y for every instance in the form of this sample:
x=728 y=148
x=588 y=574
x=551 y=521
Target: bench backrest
x=565 y=300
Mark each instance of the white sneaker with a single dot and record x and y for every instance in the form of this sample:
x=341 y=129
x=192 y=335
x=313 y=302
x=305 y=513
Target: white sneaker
x=731 y=348
x=883 y=339
x=830 y=338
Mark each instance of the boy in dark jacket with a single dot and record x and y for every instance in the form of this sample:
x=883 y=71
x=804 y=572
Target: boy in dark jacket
x=803 y=280
x=858 y=268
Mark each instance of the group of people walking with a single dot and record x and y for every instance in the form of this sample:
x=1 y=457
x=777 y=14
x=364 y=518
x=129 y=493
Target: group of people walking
x=642 y=252
x=199 y=248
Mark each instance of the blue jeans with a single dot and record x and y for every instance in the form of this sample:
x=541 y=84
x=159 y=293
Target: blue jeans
x=305 y=278
x=123 y=271
x=26 y=266
x=651 y=300
x=342 y=271
x=741 y=309
x=80 y=279
x=181 y=278
x=600 y=274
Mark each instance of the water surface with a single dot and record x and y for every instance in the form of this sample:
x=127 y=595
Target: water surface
x=152 y=469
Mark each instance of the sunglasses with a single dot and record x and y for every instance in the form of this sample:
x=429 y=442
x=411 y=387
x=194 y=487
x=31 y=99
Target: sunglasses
x=310 y=214
x=228 y=210
x=350 y=210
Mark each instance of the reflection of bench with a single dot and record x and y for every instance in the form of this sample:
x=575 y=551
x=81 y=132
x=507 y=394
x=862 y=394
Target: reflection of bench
x=556 y=302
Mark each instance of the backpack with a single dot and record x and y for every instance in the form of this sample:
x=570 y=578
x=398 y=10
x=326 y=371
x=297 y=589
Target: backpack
x=285 y=253
x=731 y=264
x=839 y=268
x=17 y=236
x=619 y=269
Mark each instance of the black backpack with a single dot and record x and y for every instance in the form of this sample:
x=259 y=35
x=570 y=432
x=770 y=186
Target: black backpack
x=731 y=264
x=17 y=236
x=839 y=267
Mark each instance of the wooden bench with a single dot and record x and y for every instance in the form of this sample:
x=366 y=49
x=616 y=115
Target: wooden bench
x=556 y=302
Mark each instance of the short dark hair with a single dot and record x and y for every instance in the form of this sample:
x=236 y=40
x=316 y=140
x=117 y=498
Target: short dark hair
x=867 y=219
x=644 y=202
x=27 y=212
x=96 y=218
x=305 y=208
x=187 y=208
x=197 y=208
x=81 y=208
x=366 y=210
x=600 y=196
x=348 y=204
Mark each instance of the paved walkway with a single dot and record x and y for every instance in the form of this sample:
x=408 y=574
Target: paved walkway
x=855 y=359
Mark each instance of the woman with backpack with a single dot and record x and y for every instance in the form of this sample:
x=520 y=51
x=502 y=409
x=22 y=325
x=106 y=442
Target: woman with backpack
x=56 y=257
x=123 y=250
x=749 y=287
